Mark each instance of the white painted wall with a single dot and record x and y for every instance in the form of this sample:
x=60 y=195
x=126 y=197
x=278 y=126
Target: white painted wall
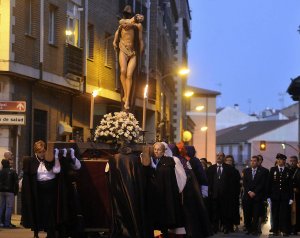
x=230 y=116
x=288 y=132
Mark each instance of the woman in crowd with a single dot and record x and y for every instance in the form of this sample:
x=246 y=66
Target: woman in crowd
x=39 y=191
x=236 y=190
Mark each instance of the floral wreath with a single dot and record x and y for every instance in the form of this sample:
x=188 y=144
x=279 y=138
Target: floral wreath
x=120 y=127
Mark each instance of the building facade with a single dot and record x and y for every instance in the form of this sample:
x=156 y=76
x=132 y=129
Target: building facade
x=201 y=109
x=54 y=54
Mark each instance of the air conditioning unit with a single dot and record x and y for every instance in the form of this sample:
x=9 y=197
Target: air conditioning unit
x=64 y=128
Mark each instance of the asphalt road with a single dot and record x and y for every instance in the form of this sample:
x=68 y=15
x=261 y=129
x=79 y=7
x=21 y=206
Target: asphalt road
x=20 y=232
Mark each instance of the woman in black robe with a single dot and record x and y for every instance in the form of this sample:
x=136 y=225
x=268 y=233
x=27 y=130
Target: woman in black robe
x=39 y=191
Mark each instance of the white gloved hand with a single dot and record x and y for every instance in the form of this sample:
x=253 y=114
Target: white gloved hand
x=64 y=151
x=56 y=151
x=291 y=202
x=269 y=201
x=72 y=153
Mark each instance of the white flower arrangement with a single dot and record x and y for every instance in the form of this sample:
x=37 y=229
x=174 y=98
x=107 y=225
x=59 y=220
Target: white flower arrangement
x=118 y=127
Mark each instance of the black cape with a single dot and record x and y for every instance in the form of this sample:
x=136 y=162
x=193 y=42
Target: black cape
x=163 y=198
x=31 y=210
x=126 y=184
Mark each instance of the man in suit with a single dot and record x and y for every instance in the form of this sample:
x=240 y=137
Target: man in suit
x=254 y=185
x=295 y=209
x=280 y=195
x=220 y=193
x=264 y=211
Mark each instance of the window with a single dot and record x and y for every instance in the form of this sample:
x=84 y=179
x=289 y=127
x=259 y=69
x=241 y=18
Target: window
x=90 y=45
x=52 y=24
x=28 y=13
x=109 y=50
x=40 y=125
x=73 y=24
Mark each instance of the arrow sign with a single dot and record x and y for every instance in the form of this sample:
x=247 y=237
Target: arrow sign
x=21 y=106
x=12 y=106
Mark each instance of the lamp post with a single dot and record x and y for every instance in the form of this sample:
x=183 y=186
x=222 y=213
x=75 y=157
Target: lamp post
x=180 y=72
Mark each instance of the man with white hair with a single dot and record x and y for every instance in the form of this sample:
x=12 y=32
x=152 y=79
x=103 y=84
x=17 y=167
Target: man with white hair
x=164 y=205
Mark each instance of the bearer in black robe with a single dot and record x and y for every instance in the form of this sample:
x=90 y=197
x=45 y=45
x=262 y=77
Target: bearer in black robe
x=163 y=198
x=126 y=184
x=70 y=220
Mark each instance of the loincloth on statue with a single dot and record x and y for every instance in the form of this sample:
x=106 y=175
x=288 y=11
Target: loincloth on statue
x=127 y=51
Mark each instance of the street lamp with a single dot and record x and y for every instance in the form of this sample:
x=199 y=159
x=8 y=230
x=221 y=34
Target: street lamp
x=188 y=94
x=199 y=108
x=187 y=136
x=181 y=72
x=184 y=71
x=204 y=128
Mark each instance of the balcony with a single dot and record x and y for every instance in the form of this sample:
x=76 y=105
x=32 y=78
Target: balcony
x=73 y=63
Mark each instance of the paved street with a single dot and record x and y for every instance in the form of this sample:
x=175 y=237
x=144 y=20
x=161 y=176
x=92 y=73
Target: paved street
x=20 y=232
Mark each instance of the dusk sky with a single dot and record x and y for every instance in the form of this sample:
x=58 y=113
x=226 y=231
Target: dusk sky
x=246 y=49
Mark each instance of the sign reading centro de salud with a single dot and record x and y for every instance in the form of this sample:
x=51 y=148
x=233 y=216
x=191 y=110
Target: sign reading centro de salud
x=12 y=106
x=12 y=119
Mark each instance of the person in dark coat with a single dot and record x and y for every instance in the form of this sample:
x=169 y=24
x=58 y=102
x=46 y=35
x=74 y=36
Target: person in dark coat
x=69 y=216
x=198 y=169
x=264 y=211
x=39 y=191
x=254 y=194
x=163 y=198
x=236 y=188
x=295 y=209
x=220 y=193
x=9 y=187
x=280 y=195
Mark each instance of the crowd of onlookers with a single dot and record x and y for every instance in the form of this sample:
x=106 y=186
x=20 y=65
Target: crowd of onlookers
x=225 y=191
x=255 y=187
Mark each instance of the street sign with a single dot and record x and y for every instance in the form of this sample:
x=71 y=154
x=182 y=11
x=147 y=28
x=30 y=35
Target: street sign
x=12 y=119
x=12 y=106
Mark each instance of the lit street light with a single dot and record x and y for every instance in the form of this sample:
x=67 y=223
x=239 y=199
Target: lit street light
x=199 y=108
x=184 y=71
x=204 y=128
x=180 y=73
x=188 y=93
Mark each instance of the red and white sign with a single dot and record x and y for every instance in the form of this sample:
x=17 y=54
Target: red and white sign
x=12 y=106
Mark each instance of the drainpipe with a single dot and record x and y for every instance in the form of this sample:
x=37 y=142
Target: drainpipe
x=41 y=39
x=86 y=8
